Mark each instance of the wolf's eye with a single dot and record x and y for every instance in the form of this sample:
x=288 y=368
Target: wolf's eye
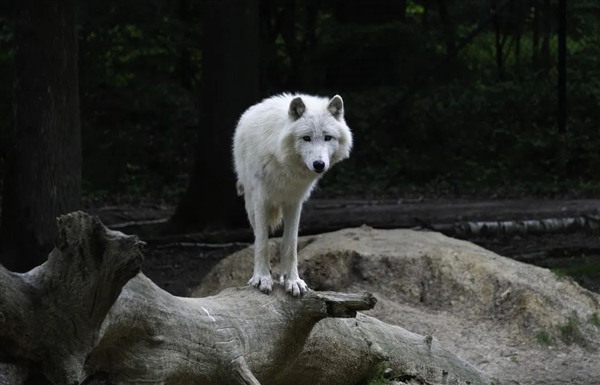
x=306 y=138
x=327 y=138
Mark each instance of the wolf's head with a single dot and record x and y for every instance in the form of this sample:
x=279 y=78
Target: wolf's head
x=319 y=134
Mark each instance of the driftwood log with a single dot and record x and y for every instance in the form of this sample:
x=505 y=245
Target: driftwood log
x=89 y=316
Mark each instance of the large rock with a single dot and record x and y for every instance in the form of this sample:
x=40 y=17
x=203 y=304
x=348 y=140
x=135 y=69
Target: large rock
x=514 y=320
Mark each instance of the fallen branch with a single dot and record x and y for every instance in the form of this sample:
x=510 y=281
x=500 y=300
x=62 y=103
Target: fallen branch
x=203 y=245
x=589 y=223
x=139 y=223
x=81 y=317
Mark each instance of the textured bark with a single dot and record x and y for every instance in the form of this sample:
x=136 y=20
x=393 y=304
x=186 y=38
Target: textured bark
x=65 y=318
x=50 y=317
x=229 y=85
x=519 y=10
x=499 y=42
x=535 y=49
x=186 y=72
x=563 y=150
x=588 y=223
x=545 y=60
x=44 y=152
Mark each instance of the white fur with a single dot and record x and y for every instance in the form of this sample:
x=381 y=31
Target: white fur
x=276 y=173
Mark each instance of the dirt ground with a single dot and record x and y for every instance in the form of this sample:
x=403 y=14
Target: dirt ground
x=179 y=265
x=178 y=269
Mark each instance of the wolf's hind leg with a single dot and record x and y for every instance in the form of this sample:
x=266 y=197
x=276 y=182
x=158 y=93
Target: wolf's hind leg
x=240 y=188
x=250 y=211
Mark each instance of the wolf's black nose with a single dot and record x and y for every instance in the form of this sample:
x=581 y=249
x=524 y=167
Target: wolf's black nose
x=319 y=165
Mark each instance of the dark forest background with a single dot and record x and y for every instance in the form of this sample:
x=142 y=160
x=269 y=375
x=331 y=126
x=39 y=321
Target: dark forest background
x=428 y=111
x=445 y=97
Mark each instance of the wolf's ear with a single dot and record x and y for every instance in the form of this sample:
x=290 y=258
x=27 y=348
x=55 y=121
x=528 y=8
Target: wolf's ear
x=297 y=108
x=336 y=106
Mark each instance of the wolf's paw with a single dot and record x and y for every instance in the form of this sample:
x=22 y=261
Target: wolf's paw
x=295 y=286
x=264 y=283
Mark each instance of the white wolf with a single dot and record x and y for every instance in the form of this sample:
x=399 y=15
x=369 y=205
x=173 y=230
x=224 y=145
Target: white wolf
x=281 y=147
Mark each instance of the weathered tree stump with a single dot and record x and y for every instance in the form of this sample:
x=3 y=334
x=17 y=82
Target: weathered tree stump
x=88 y=315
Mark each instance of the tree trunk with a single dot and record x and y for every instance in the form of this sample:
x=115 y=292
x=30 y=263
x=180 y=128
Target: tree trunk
x=93 y=318
x=499 y=42
x=229 y=86
x=545 y=50
x=185 y=60
x=44 y=154
x=536 y=35
x=518 y=22
x=562 y=90
x=293 y=47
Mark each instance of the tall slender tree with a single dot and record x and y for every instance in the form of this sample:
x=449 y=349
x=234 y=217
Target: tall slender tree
x=230 y=79
x=562 y=87
x=499 y=41
x=535 y=49
x=44 y=151
x=545 y=60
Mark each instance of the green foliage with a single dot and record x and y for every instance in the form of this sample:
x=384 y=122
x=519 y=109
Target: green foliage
x=585 y=269
x=570 y=332
x=595 y=320
x=544 y=338
x=424 y=119
x=139 y=121
x=469 y=130
x=377 y=378
x=383 y=375
x=560 y=272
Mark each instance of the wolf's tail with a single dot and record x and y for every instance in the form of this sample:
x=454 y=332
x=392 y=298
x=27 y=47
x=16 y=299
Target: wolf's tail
x=240 y=188
x=275 y=216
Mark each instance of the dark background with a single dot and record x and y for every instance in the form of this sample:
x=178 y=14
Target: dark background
x=429 y=112
x=111 y=102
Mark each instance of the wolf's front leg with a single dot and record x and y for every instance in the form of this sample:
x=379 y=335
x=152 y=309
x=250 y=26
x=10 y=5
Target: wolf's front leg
x=289 y=251
x=261 y=278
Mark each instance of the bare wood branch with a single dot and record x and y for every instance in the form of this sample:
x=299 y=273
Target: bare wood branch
x=589 y=223
x=203 y=245
x=139 y=223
